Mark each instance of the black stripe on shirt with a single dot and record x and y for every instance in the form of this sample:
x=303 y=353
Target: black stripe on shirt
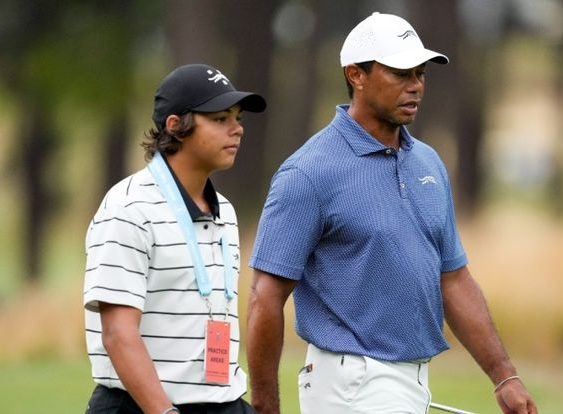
x=160 y=222
x=129 y=185
x=203 y=384
x=186 y=290
x=116 y=266
x=215 y=314
x=114 y=290
x=154 y=203
x=118 y=243
x=118 y=219
x=169 y=244
x=163 y=269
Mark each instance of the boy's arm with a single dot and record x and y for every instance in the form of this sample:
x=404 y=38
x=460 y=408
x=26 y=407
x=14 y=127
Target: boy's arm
x=130 y=358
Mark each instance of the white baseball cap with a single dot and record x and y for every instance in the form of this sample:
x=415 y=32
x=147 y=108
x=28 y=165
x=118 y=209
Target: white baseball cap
x=389 y=40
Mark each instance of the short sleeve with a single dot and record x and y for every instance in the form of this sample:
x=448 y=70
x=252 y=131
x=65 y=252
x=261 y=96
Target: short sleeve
x=453 y=254
x=290 y=225
x=117 y=259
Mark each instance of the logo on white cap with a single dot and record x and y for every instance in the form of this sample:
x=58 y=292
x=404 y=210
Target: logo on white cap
x=389 y=40
x=407 y=34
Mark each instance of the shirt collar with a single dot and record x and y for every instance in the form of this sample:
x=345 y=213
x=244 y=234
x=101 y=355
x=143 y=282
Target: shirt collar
x=361 y=142
x=209 y=194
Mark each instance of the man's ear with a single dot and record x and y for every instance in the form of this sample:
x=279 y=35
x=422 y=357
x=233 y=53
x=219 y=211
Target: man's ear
x=171 y=122
x=355 y=76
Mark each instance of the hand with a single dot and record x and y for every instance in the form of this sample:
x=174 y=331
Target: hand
x=513 y=398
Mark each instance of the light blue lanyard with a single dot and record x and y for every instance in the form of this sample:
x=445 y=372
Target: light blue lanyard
x=167 y=185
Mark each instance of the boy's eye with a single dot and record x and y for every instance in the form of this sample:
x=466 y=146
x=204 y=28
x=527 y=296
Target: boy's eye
x=223 y=119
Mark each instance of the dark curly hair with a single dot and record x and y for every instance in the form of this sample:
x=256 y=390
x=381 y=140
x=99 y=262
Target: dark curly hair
x=168 y=141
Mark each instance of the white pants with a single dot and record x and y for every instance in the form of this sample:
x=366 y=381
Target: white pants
x=332 y=383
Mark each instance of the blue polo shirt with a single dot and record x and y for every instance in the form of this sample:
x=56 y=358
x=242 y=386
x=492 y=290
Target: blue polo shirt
x=367 y=232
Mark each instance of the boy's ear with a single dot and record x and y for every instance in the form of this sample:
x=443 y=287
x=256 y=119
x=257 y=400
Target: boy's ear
x=171 y=122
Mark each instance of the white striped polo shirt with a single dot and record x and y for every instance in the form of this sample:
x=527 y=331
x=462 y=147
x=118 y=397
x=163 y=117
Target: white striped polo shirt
x=137 y=256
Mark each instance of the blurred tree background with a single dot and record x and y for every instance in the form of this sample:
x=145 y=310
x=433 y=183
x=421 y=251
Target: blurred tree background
x=77 y=79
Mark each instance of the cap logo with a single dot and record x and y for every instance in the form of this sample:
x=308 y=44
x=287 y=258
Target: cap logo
x=217 y=77
x=407 y=34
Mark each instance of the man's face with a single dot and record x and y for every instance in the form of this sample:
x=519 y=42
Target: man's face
x=393 y=95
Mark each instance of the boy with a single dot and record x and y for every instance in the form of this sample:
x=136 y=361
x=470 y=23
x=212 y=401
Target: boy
x=163 y=260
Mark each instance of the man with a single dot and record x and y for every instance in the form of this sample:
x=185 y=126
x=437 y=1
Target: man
x=163 y=259
x=359 y=224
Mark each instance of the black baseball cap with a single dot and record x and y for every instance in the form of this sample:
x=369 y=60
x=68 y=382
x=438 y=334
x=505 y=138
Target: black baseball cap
x=200 y=88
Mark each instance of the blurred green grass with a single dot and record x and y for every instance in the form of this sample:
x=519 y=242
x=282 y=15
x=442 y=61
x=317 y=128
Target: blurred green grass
x=63 y=386
x=43 y=368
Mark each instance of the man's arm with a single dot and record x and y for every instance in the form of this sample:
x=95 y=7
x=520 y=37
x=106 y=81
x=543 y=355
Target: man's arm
x=130 y=358
x=467 y=314
x=265 y=338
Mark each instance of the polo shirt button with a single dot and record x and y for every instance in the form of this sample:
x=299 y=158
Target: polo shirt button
x=388 y=151
x=403 y=185
x=205 y=226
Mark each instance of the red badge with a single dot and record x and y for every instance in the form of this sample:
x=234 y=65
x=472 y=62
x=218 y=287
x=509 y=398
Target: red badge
x=217 y=346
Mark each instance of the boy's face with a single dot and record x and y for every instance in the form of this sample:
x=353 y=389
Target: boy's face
x=216 y=139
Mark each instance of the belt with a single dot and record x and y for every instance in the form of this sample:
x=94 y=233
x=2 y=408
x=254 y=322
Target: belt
x=419 y=361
